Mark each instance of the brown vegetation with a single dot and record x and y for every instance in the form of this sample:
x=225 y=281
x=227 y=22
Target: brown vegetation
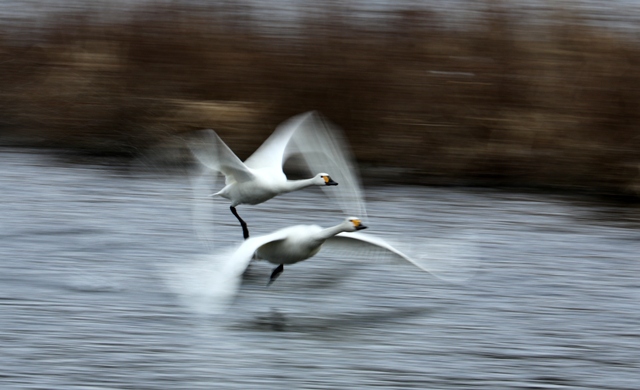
x=554 y=105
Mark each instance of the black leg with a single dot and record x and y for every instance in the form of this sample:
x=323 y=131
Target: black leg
x=245 y=229
x=274 y=275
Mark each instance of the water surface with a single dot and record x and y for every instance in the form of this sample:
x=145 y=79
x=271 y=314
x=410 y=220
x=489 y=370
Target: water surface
x=101 y=288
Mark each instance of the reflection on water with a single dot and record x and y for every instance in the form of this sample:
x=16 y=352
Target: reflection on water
x=89 y=298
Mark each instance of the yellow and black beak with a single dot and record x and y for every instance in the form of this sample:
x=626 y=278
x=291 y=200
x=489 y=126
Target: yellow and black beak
x=358 y=225
x=328 y=181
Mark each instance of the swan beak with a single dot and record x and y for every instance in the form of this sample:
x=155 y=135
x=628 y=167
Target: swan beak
x=329 y=181
x=361 y=227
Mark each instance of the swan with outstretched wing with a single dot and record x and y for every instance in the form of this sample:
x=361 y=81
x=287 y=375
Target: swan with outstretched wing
x=321 y=145
x=298 y=243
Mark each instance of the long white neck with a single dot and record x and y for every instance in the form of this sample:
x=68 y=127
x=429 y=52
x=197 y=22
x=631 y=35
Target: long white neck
x=294 y=185
x=330 y=232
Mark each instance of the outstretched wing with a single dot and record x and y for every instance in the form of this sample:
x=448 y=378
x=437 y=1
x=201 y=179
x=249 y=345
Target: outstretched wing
x=272 y=153
x=215 y=158
x=243 y=255
x=229 y=269
x=325 y=149
x=449 y=261
x=209 y=283
x=213 y=153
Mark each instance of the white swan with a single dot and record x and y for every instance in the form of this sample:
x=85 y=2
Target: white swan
x=210 y=284
x=293 y=244
x=297 y=243
x=261 y=176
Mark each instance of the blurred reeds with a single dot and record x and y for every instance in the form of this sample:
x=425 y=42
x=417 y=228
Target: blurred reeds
x=550 y=104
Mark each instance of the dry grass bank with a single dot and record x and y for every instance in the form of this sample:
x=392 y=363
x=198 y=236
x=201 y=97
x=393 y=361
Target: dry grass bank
x=497 y=102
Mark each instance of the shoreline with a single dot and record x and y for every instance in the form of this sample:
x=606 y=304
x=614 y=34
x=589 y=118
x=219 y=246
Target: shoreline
x=551 y=105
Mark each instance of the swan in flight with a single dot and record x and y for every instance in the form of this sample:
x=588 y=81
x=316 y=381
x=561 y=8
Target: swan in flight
x=211 y=283
x=261 y=177
x=293 y=244
x=297 y=243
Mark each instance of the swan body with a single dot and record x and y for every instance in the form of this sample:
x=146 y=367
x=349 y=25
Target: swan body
x=261 y=176
x=296 y=243
x=266 y=184
x=291 y=245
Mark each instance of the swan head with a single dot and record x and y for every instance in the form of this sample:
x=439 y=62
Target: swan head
x=323 y=179
x=352 y=224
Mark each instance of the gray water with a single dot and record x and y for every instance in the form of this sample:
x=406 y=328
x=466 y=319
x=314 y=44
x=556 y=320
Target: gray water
x=618 y=14
x=93 y=295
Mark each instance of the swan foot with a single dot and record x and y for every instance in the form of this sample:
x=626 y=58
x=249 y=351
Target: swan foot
x=274 y=275
x=245 y=229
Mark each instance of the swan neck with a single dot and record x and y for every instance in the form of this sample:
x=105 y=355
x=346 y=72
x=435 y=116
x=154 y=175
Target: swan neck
x=294 y=185
x=331 y=231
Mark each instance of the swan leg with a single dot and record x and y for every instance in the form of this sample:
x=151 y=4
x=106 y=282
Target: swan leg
x=274 y=275
x=245 y=229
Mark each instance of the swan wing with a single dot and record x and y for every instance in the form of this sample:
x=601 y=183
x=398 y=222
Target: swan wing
x=271 y=154
x=214 y=154
x=449 y=261
x=208 y=284
x=230 y=267
x=324 y=148
x=243 y=255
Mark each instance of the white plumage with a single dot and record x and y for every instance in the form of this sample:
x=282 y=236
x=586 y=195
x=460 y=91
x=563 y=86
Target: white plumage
x=261 y=177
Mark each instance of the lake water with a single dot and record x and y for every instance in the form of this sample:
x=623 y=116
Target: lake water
x=102 y=286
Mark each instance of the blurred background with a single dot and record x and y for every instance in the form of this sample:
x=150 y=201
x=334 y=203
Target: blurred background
x=535 y=93
x=479 y=126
